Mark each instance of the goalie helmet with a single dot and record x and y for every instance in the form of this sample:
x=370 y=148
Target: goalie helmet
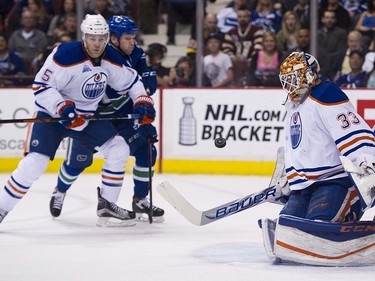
x=298 y=72
x=122 y=25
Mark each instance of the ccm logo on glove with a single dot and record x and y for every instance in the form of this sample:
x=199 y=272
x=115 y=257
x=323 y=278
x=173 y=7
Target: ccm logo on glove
x=144 y=106
x=67 y=110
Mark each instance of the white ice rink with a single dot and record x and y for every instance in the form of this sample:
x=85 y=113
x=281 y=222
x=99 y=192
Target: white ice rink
x=33 y=246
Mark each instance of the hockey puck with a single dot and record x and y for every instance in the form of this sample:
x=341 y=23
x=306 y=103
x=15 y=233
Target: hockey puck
x=220 y=142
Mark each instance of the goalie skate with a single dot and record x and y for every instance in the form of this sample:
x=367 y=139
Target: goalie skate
x=111 y=215
x=141 y=207
x=363 y=181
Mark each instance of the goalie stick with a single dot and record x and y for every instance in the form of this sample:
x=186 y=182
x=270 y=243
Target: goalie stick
x=271 y=194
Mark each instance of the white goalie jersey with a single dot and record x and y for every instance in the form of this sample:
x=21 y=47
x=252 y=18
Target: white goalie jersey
x=318 y=131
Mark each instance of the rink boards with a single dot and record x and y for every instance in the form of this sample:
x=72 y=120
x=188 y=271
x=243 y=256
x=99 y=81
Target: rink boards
x=188 y=122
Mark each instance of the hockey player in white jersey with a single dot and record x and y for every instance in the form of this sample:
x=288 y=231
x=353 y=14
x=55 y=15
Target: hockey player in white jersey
x=70 y=84
x=123 y=31
x=321 y=125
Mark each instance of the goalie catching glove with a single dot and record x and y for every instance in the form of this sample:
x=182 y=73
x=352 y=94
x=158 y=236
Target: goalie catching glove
x=67 y=110
x=144 y=107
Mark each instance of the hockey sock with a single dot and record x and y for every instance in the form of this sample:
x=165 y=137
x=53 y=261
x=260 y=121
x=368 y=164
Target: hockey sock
x=140 y=178
x=111 y=184
x=67 y=176
x=29 y=170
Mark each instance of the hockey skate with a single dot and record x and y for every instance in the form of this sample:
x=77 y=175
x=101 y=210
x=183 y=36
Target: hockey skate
x=3 y=214
x=141 y=207
x=56 y=202
x=112 y=215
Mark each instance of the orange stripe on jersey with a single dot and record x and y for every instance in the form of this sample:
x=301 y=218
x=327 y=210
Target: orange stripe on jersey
x=112 y=178
x=305 y=252
x=341 y=148
x=36 y=88
x=15 y=189
x=328 y=104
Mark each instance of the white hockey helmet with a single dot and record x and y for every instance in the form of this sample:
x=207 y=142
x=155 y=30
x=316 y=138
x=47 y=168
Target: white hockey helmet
x=94 y=24
x=298 y=72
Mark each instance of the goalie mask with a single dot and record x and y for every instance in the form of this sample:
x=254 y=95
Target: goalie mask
x=298 y=72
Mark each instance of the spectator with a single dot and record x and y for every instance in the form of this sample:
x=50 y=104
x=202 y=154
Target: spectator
x=155 y=55
x=303 y=42
x=354 y=42
x=366 y=23
x=356 y=78
x=265 y=63
x=217 y=65
x=66 y=7
x=37 y=7
x=227 y=17
x=11 y=63
x=69 y=27
x=302 y=9
x=241 y=43
x=368 y=65
x=331 y=38
x=287 y=36
x=99 y=7
x=182 y=75
x=343 y=19
x=28 y=41
x=210 y=28
x=266 y=16
x=354 y=8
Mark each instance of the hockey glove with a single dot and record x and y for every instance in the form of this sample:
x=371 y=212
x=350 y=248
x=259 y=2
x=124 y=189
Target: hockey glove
x=149 y=81
x=67 y=110
x=144 y=106
x=366 y=161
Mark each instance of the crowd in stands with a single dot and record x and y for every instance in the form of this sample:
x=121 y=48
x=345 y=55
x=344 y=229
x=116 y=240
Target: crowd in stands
x=244 y=42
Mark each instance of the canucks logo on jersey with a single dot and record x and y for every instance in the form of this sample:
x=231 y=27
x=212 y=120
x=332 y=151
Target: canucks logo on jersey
x=295 y=130
x=95 y=86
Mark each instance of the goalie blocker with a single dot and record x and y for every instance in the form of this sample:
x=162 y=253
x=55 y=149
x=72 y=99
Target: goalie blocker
x=293 y=239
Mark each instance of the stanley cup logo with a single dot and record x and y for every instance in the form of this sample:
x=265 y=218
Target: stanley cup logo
x=188 y=124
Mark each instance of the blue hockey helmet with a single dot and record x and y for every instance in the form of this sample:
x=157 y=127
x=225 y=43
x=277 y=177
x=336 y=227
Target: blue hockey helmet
x=122 y=25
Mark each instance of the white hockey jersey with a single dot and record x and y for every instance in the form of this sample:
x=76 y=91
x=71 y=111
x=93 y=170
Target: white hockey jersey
x=70 y=74
x=318 y=131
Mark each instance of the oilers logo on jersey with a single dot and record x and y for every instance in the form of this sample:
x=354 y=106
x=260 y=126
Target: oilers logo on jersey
x=94 y=86
x=295 y=129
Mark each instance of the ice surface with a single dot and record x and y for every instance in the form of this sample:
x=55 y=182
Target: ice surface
x=33 y=246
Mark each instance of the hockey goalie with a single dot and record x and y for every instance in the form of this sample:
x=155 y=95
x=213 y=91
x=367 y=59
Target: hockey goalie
x=329 y=165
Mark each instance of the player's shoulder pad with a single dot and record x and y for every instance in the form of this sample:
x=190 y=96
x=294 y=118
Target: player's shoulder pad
x=137 y=53
x=114 y=56
x=70 y=53
x=328 y=93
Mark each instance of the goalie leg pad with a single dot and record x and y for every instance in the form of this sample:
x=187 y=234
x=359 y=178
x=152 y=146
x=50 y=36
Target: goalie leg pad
x=325 y=243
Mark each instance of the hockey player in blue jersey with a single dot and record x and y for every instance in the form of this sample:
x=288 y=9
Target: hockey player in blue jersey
x=319 y=224
x=71 y=84
x=122 y=36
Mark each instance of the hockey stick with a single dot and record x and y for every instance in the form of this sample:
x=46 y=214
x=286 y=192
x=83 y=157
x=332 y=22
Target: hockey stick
x=198 y=217
x=271 y=194
x=150 y=141
x=57 y=119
